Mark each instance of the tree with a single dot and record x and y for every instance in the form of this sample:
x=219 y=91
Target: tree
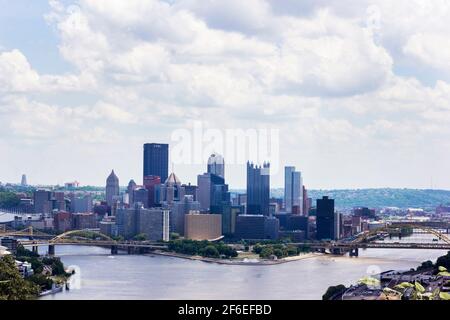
x=140 y=237
x=12 y=285
x=333 y=290
x=44 y=282
x=257 y=248
x=278 y=252
x=266 y=252
x=174 y=236
x=425 y=265
x=444 y=261
x=210 y=251
x=9 y=200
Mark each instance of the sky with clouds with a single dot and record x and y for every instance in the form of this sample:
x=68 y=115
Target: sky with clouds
x=359 y=90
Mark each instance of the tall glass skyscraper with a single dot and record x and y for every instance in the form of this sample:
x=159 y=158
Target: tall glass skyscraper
x=156 y=160
x=258 y=188
x=293 y=189
x=216 y=165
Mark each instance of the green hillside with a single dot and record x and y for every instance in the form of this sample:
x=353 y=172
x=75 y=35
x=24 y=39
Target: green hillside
x=375 y=198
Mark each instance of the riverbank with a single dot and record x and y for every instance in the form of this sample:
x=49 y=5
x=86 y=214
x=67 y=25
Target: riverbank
x=243 y=262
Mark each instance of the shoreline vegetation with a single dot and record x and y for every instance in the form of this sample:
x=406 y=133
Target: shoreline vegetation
x=48 y=276
x=250 y=253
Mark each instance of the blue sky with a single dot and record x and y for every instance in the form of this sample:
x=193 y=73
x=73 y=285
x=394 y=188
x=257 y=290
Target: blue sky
x=359 y=92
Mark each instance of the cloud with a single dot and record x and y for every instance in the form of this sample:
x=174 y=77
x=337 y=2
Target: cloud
x=16 y=74
x=430 y=49
x=350 y=78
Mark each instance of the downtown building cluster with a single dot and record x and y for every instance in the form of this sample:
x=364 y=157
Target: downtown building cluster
x=161 y=206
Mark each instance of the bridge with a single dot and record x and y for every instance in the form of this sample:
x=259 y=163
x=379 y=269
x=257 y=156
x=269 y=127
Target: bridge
x=365 y=240
x=85 y=237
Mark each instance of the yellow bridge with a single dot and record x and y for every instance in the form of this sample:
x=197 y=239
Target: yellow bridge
x=85 y=237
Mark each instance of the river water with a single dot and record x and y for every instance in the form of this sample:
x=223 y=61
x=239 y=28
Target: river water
x=102 y=276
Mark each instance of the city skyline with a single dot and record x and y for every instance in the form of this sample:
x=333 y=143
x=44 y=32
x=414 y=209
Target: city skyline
x=359 y=96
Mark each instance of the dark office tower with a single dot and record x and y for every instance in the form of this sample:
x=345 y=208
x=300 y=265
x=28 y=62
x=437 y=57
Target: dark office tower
x=216 y=165
x=325 y=219
x=112 y=188
x=156 y=160
x=258 y=189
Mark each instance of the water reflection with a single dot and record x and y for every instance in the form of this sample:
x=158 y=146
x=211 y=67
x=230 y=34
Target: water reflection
x=157 y=277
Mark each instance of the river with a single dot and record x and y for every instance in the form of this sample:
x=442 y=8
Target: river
x=102 y=276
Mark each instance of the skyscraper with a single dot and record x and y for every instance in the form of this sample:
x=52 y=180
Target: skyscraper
x=326 y=220
x=203 y=191
x=130 y=190
x=112 y=188
x=293 y=189
x=258 y=189
x=171 y=190
x=156 y=160
x=216 y=165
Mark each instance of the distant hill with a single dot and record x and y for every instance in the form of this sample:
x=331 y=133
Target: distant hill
x=376 y=198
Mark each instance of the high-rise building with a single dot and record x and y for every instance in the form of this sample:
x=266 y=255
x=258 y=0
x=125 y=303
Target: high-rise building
x=23 y=182
x=171 y=190
x=155 y=223
x=130 y=189
x=42 y=201
x=152 y=183
x=127 y=221
x=112 y=188
x=306 y=202
x=59 y=200
x=140 y=195
x=219 y=195
x=80 y=203
x=204 y=191
x=258 y=189
x=178 y=212
x=156 y=160
x=326 y=220
x=216 y=165
x=293 y=189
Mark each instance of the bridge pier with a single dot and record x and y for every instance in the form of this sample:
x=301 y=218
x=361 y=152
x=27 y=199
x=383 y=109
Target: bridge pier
x=114 y=250
x=354 y=252
x=51 y=250
x=337 y=251
x=35 y=249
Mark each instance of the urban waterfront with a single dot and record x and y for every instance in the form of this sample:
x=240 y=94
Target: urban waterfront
x=156 y=277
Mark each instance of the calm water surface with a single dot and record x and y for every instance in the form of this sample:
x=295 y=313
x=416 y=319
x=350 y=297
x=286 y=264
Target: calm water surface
x=103 y=276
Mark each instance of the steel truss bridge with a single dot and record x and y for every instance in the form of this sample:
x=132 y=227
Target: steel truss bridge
x=365 y=241
x=86 y=237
